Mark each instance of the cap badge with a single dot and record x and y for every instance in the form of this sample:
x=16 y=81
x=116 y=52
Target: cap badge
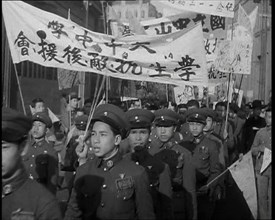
x=196 y=115
x=122 y=175
x=7 y=189
x=149 y=167
x=136 y=118
x=110 y=164
x=105 y=113
x=162 y=117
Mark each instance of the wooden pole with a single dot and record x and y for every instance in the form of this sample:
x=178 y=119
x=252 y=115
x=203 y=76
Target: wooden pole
x=19 y=88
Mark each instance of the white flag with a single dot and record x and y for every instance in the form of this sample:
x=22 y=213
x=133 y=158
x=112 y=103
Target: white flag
x=252 y=17
x=244 y=176
x=266 y=159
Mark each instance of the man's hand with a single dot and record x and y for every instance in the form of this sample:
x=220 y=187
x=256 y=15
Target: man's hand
x=225 y=134
x=82 y=147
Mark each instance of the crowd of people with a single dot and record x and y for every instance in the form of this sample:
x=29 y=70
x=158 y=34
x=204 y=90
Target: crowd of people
x=140 y=163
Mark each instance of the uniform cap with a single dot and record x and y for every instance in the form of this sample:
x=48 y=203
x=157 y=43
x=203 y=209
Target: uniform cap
x=196 y=115
x=43 y=117
x=140 y=118
x=211 y=113
x=113 y=116
x=81 y=122
x=166 y=117
x=15 y=125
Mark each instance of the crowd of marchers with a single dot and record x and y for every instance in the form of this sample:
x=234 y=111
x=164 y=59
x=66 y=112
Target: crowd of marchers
x=139 y=163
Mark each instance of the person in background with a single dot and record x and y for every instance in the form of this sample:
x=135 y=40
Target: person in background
x=205 y=157
x=263 y=140
x=108 y=186
x=184 y=130
x=238 y=124
x=69 y=154
x=158 y=172
x=225 y=134
x=87 y=106
x=41 y=160
x=22 y=198
x=182 y=108
x=183 y=175
x=252 y=125
x=68 y=116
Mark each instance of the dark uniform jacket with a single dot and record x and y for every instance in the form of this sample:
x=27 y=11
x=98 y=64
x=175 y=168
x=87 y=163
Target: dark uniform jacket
x=160 y=181
x=41 y=162
x=23 y=198
x=112 y=189
x=206 y=160
x=188 y=172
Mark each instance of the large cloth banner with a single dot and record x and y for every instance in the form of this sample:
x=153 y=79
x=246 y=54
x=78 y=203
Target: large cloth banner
x=244 y=176
x=214 y=30
x=215 y=7
x=50 y=40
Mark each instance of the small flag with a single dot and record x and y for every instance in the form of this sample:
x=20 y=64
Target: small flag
x=86 y=4
x=253 y=17
x=244 y=176
x=266 y=159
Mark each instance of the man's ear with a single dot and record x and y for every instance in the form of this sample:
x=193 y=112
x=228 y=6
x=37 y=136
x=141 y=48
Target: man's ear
x=118 y=139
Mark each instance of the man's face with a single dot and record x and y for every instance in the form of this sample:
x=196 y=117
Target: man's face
x=138 y=137
x=87 y=108
x=221 y=111
x=39 y=107
x=38 y=129
x=209 y=124
x=268 y=118
x=165 y=133
x=196 y=128
x=11 y=154
x=257 y=111
x=74 y=103
x=103 y=139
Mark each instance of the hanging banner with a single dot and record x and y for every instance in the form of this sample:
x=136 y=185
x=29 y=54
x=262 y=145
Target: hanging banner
x=185 y=93
x=214 y=30
x=50 y=40
x=67 y=78
x=223 y=8
x=243 y=174
x=234 y=56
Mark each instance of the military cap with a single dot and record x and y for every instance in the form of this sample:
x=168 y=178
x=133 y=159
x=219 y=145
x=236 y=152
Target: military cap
x=196 y=115
x=140 y=118
x=15 y=125
x=113 y=116
x=43 y=117
x=166 y=117
x=258 y=104
x=211 y=113
x=81 y=122
x=234 y=107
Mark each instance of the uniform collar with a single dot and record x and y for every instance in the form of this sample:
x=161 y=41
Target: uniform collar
x=39 y=143
x=14 y=183
x=108 y=164
x=198 y=139
x=169 y=144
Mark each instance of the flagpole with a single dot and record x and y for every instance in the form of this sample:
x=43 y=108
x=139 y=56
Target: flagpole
x=106 y=32
x=20 y=91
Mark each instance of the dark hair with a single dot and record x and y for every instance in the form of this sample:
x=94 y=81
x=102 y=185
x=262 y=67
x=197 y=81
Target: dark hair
x=222 y=104
x=89 y=100
x=194 y=103
x=36 y=100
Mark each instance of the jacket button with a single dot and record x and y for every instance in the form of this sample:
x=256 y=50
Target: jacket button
x=102 y=204
x=124 y=198
x=105 y=169
x=104 y=186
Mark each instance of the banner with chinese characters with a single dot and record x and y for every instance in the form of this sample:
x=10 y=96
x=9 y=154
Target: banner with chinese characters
x=185 y=93
x=50 y=40
x=214 y=30
x=223 y=8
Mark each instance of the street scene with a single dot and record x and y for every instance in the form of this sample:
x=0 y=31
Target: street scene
x=138 y=109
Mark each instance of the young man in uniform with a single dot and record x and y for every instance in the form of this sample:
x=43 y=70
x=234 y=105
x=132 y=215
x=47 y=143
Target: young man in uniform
x=206 y=160
x=22 y=198
x=263 y=179
x=166 y=148
x=41 y=160
x=158 y=172
x=108 y=186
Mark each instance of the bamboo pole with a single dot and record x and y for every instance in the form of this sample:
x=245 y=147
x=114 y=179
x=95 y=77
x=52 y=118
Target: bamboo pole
x=19 y=88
